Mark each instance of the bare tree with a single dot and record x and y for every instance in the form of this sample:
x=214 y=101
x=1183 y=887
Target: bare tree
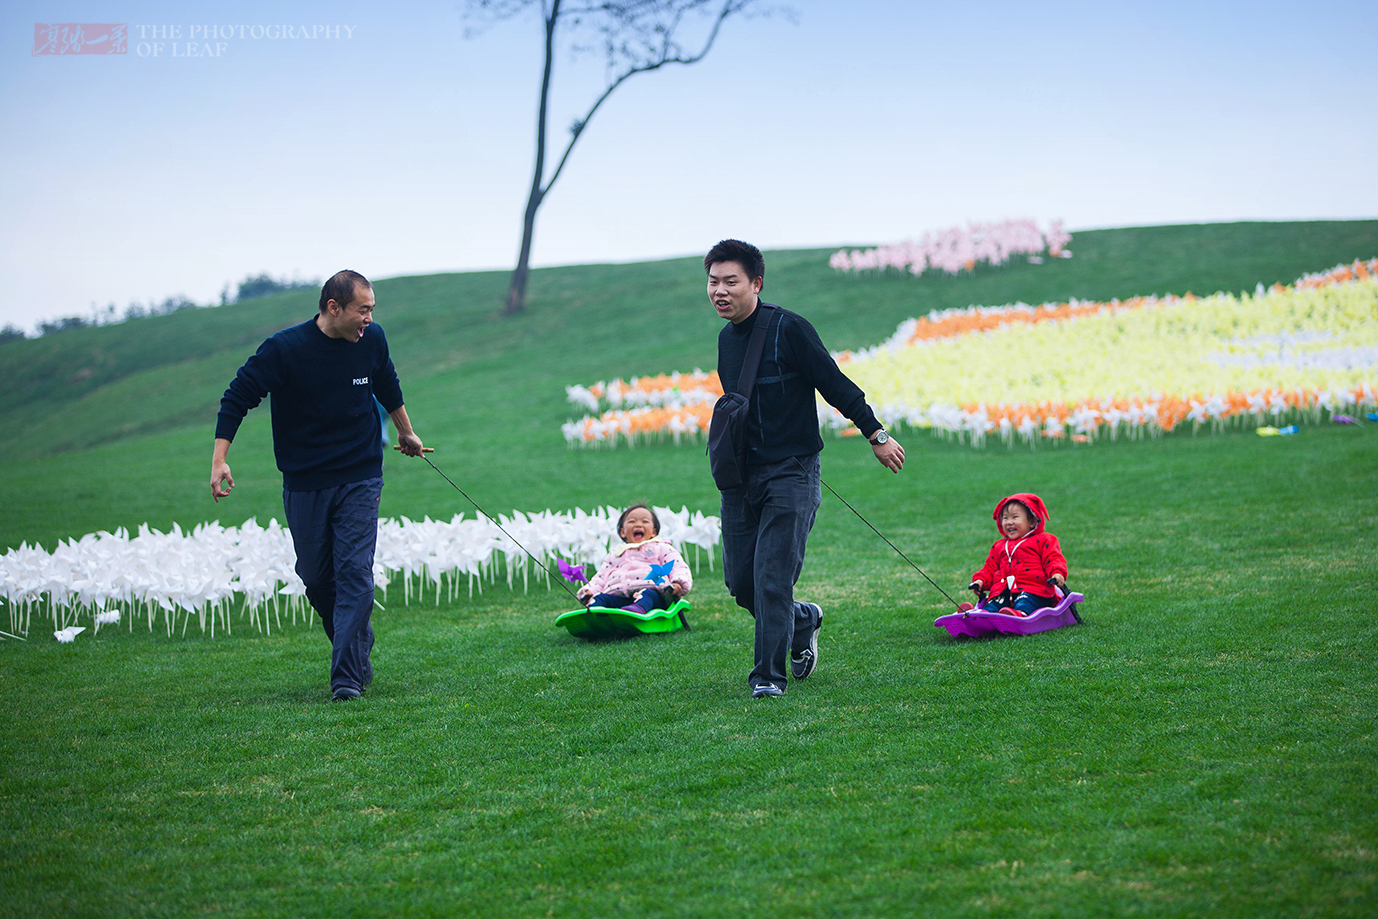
x=635 y=36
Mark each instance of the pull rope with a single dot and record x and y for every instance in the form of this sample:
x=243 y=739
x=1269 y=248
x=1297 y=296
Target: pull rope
x=544 y=566
x=887 y=541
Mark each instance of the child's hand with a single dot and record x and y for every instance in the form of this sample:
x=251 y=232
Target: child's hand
x=976 y=586
x=1060 y=581
x=678 y=589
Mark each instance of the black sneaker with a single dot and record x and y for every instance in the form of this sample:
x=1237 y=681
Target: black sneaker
x=345 y=694
x=802 y=664
x=766 y=690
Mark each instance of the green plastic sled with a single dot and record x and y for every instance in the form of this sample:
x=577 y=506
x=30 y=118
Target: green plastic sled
x=597 y=622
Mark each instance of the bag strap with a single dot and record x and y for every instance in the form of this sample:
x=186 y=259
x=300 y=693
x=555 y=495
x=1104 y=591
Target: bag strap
x=752 y=362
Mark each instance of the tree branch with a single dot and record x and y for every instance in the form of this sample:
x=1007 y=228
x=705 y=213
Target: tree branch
x=730 y=7
x=551 y=17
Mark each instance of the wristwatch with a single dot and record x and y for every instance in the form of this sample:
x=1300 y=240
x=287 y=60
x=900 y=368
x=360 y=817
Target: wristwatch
x=880 y=437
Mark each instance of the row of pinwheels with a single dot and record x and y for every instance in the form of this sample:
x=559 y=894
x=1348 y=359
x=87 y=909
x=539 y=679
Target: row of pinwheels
x=1080 y=369
x=960 y=248
x=215 y=575
x=1140 y=367
x=673 y=404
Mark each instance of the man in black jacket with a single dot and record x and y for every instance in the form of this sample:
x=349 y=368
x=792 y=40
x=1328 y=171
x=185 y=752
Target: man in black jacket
x=323 y=376
x=766 y=520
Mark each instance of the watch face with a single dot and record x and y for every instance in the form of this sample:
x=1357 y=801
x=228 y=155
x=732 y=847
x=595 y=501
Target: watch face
x=882 y=437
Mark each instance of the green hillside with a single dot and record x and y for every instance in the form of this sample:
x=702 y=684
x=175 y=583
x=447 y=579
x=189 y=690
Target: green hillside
x=477 y=384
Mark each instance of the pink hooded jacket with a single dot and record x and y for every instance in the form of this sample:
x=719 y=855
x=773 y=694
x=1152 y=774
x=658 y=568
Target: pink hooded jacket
x=1031 y=560
x=626 y=569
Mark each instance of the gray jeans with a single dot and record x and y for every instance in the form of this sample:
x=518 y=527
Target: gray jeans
x=765 y=529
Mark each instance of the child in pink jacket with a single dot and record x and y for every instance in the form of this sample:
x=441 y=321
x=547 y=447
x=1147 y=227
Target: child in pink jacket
x=642 y=574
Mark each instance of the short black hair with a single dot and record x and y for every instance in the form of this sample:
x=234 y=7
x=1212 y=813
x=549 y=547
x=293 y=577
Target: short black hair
x=342 y=287
x=655 y=521
x=744 y=254
x=1016 y=503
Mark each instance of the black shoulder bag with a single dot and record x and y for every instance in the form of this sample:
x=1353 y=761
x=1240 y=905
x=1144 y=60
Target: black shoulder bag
x=727 y=430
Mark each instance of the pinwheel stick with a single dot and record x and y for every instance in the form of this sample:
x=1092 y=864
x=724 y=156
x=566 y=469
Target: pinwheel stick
x=423 y=449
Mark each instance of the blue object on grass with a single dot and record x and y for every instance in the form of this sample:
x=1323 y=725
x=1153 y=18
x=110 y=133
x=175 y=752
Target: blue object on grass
x=598 y=622
x=1373 y=416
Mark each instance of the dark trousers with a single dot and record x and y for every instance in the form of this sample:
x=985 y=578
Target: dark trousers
x=650 y=599
x=1024 y=602
x=334 y=531
x=765 y=529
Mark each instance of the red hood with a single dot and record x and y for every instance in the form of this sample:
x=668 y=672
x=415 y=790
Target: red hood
x=1032 y=502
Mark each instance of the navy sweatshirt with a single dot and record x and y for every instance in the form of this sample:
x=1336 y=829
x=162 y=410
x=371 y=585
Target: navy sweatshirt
x=794 y=363
x=326 y=431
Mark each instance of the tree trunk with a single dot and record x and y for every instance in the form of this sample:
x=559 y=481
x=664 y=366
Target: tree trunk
x=624 y=16
x=516 y=290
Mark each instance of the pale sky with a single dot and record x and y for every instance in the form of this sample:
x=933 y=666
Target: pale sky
x=401 y=147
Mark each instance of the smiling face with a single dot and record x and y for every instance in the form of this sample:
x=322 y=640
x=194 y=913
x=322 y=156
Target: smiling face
x=732 y=291
x=638 y=525
x=1016 y=521
x=350 y=321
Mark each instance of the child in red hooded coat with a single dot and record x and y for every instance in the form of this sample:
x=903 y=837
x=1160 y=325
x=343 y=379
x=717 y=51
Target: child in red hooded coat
x=1023 y=560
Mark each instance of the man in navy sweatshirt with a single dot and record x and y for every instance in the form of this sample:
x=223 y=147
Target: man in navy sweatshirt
x=766 y=520
x=323 y=376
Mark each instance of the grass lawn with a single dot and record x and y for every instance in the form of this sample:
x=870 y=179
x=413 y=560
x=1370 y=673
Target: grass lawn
x=1204 y=744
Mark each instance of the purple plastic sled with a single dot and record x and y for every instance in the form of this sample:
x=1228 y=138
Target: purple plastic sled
x=980 y=622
